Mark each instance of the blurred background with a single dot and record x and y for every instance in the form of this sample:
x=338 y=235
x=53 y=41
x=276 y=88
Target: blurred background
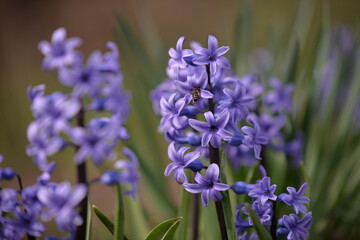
x=297 y=35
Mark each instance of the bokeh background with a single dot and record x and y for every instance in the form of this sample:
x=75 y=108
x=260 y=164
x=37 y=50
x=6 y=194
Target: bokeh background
x=145 y=30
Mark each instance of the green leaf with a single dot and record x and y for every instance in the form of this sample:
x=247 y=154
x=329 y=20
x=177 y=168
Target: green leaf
x=228 y=211
x=184 y=210
x=105 y=220
x=88 y=221
x=119 y=214
x=165 y=230
x=260 y=229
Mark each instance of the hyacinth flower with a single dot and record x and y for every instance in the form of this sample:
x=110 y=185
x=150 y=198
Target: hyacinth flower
x=194 y=88
x=60 y=201
x=236 y=102
x=293 y=227
x=94 y=142
x=180 y=161
x=60 y=52
x=55 y=110
x=263 y=191
x=126 y=174
x=254 y=138
x=263 y=211
x=213 y=130
x=280 y=98
x=25 y=222
x=295 y=199
x=83 y=78
x=42 y=144
x=6 y=173
x=171 y=112
x=208 y=185
x=177 y=55
x=212 y=55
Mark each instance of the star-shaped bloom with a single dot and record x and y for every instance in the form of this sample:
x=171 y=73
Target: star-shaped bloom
x=55 y=110
x=194 y=87
x=180 y=160
x=263 y=191
x=236 y=102
x=263 y=211
x=212 y=55
x=208 y=186
x=280 y=98
x=213 y=130
x=293 y=227
x=60 y=201
x=60 y=52
x=295 y=199
x=171 y=110
x=94 y=141
x=254 y=138
x=178 y=55
x=42 y=144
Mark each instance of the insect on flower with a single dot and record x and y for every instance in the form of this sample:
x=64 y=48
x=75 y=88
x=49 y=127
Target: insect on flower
x=195 y=95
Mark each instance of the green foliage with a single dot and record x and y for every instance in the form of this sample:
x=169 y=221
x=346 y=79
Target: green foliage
x=263 y=234
x=165 y=230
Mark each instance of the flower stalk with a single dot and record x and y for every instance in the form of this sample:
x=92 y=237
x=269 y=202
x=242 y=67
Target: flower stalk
x=82 y=179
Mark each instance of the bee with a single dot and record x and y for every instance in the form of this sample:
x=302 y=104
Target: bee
x=195 y=95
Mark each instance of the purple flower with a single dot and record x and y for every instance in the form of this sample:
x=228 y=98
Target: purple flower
x=60 y=201
x=295 y=199
x=127 y=173
x=213 y=129
x=8 y=200
x=194 y=87
x=212 y=55
x=130 y=173
x=208 y=186
x=114 y=98
x=42 y=144
x=179 y=162
x=94 y=141
x=293 y=227
x=163 y=90
x=240 y=223
x=84 y=78
x=280 y=98
x=263 y=211
x=25 y=222
x=241 y=187
x=236 y=102
x=55 y=110
x=177 y=56
x=263 y=191
x=6 y=173
x=33 y=92
x=254 y=138
x=60 y=52
x=171 y=112
x=111 y=60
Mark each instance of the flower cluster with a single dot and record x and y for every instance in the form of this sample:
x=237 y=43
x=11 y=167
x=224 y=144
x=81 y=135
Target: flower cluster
x=60 y=122
x=202 y=87
x=204 y=106
x=264 y=203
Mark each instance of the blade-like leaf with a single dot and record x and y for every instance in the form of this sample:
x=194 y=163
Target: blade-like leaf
x=88 y=221
x=119 y=214
x=165 y=230
x=260 y=229
x=105 y=220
